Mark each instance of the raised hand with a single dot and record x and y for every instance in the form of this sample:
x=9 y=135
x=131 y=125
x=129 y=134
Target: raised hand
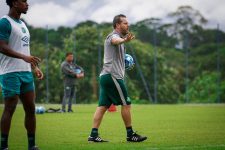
x=129 y=37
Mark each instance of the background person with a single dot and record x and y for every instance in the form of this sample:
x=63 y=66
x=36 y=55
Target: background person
x=70 y=72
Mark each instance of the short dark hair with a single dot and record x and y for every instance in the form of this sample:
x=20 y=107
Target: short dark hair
x=69 y=53
x=117 y=19
x=10 y=3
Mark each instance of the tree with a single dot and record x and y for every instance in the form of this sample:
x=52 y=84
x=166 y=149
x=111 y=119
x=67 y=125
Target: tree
x=185 y=20
x=153 y=31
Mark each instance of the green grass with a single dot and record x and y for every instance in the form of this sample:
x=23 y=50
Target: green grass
x=170 y=127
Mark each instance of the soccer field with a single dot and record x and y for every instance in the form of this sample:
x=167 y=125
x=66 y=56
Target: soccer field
x=187 y=127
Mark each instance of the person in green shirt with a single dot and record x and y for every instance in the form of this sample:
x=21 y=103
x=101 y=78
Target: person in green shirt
x=16 y=78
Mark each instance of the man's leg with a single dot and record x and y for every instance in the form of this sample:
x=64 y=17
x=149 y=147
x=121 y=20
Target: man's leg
x=124 y=100
x=71 y=98
x=30 y=119
x=9 y=109
x=126 y=115
x=67 y=91
x=104 y=103
x=99 y=113
x=131 y=135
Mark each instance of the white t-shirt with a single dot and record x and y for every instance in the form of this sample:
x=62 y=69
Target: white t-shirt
x=114 y=57
x=19 y=41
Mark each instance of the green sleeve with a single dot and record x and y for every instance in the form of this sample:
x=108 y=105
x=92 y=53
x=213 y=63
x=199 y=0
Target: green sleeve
x=5 y=29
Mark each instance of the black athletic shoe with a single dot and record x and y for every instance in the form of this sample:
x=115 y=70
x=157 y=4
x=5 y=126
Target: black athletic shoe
x=96 y=139
x=136 y=138
x=70 y=111
x=6 y=149
x=34 y=148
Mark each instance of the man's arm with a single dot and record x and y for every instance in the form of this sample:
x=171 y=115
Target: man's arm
x=6 y=50
x=67 y=71
x=119 y=40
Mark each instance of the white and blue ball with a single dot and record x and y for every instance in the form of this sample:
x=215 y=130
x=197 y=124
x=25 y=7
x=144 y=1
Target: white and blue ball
x=129 y=62
x=77 y=70
x=40 y=110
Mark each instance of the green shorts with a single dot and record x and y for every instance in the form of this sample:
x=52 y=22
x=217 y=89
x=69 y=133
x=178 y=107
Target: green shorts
x=16 y=83
x=112 y=91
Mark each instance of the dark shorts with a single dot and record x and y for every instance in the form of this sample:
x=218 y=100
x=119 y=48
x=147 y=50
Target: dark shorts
x=16 y=83
x=112 y=91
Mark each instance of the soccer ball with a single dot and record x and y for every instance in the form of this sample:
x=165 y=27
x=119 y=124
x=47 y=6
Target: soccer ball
x=129 y=62
x=40 y=110
x=77 y=70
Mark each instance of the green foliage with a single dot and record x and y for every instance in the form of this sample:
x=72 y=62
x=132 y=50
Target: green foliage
x=55 y=58
x=205 y=88
x=166 y=74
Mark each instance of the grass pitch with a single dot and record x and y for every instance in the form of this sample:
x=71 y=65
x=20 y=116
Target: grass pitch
x=170 y=127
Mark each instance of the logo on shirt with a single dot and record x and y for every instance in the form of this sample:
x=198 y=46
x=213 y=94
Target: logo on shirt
x=23 y=30
x=25 y=39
